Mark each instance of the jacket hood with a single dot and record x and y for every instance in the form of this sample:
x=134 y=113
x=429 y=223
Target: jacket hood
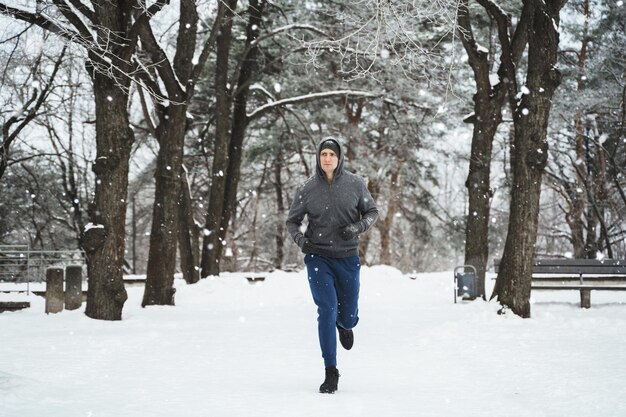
x=339 y=169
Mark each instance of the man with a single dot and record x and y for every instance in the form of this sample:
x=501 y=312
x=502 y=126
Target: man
x=338 y=207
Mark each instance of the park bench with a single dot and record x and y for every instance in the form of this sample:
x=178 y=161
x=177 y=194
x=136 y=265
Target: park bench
x=20 y=288
x=584 y=275
x=253 y=277
x=13 y=305
x=15 y=287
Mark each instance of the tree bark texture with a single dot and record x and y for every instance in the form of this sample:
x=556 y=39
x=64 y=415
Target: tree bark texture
x=105 y=247
x=105 y=244
x=512 y=287
x=575 y=216
x=597 y=196
x=165 y=233
x=188 y=235
x=212 y=243
x=280 y=210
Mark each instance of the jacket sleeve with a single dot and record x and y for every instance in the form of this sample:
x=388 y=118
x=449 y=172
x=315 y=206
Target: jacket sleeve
x=367 y=207
x=296 y=216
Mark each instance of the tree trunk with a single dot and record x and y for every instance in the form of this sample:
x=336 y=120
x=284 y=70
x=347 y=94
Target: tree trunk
x=577 y=192
x=353 y=135
x=601 y=197
x=384 y=226
x=164 y=232
x=252 y=262
x=578 y=195
x=104 y=244
x=488 y=116
x=512 y=287
x=212 y=243
x=373 y=186
x=280 y=209
x=597 y=195
x=188 y=235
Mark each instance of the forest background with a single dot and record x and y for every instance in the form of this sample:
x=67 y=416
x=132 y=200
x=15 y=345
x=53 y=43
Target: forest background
x=170 y=135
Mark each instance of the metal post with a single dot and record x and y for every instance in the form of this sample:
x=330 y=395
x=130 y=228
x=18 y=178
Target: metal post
x=28 y=270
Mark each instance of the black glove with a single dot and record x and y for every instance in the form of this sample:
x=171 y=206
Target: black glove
x=349 y=232
x=307 y=246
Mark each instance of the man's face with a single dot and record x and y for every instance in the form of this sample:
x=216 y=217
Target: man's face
x=329 y=161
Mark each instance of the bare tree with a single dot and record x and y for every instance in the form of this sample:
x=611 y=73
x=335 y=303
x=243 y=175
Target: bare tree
x=172 y=203
x=530 y=118
x=212 y=242
x=36 y=93
x=110 y=38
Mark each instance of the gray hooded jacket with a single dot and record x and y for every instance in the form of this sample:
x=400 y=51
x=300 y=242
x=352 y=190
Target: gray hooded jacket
x=329 y=208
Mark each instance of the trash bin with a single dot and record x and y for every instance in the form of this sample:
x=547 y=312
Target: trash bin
x=465 y=282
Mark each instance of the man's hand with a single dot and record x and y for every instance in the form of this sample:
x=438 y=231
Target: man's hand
x=307 y=246
x=349 y=232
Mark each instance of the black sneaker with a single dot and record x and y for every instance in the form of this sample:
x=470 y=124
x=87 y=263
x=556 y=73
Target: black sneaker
x=329 y=386
x=346 y=337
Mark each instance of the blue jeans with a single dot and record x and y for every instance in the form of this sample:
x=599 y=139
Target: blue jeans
x=335 y=286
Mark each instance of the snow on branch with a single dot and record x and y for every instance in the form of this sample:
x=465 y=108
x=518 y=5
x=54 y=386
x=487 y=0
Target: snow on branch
x=384 y=33
x=259 y=87
x=42 y=21
x=258 y=112
x=109 y=52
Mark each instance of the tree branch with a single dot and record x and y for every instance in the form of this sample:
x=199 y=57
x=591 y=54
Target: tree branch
x=141 y=20
x=209 y=44
x=38 y=99
x=84 y=10
x=71 y=17
x=260 y=111
x=186 y=42
x=162 y=63
x=477 y=57
x=506 y=70
x=43 y=22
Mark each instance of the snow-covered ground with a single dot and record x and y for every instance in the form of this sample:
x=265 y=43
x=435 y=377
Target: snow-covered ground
x=230 y=348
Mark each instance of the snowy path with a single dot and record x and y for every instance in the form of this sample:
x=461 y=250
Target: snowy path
x=234 y=349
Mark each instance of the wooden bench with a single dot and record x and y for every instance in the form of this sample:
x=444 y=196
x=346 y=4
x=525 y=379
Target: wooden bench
x=584 y=275
x=13 y=305
x=15 y=287
x=253 y=278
